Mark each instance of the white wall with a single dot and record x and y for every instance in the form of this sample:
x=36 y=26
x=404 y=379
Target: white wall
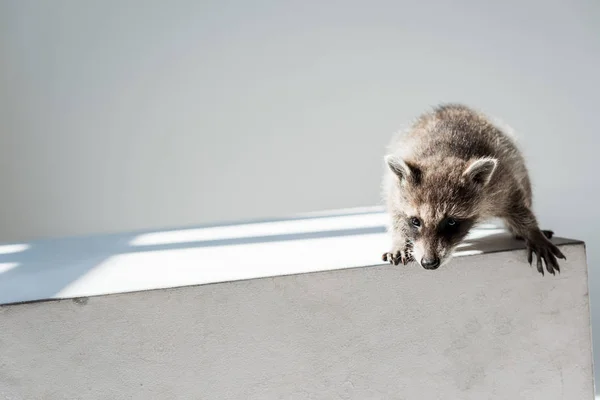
x=145 y=114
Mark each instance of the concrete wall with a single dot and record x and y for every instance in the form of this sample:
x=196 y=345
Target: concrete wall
x=487 y=327
x=144 y=114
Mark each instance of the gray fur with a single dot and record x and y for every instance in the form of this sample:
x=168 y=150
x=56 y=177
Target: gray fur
x=451 y=169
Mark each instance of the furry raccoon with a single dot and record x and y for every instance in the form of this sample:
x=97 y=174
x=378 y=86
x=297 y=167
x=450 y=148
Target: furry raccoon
x=450 y=170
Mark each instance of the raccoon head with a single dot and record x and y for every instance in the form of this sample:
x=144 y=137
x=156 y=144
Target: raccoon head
x=437 y=201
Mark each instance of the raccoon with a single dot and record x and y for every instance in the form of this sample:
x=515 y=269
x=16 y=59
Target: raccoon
x=453 y=168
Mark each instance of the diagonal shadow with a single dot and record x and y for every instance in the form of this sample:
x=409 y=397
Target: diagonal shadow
x=48 y=266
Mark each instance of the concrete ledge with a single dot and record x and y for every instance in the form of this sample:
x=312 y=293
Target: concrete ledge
x=486 y=326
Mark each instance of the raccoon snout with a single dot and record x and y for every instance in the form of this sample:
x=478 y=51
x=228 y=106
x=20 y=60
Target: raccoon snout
x=430 y=263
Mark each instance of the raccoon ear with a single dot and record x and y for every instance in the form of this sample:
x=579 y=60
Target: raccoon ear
x=480 y=171
x=403 y=170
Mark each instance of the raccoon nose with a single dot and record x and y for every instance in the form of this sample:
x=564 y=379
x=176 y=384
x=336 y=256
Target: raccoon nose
x=430 y=263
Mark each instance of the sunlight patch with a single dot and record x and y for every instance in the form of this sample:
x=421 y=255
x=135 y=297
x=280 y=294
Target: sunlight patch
x=13 y=248
x=5 y=267
x=262 y=229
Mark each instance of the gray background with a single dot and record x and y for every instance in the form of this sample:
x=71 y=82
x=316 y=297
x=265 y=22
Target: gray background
x=144 y=114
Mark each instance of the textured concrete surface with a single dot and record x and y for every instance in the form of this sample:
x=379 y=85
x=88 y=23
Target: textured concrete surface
x=484 y=327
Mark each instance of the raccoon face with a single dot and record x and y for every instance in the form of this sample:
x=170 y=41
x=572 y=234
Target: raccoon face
x=438 y=203
x=434 y=241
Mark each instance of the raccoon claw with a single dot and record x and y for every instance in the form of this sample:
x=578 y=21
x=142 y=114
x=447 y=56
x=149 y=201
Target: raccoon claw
x=394 y=259
x=548 y=234
x=546 y=253
x=397 y=257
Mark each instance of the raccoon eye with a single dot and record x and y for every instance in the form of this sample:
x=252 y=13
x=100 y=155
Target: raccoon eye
x=415 y=222
x=451 y=222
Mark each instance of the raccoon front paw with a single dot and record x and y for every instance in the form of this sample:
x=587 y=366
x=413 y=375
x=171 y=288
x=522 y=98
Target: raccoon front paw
x=544 y=250
x=396 y=257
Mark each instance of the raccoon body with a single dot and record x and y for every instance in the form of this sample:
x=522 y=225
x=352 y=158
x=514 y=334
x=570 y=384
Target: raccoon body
x=454 y=167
